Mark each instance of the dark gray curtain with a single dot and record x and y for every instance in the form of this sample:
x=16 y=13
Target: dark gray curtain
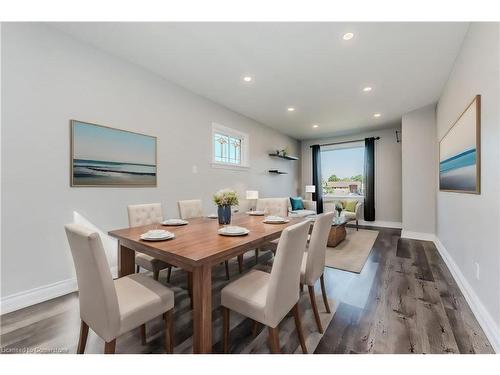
x=369 y=179
x=316 y=168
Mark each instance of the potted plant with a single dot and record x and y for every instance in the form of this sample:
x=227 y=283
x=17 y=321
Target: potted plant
x=224 y=199
x=339 y=208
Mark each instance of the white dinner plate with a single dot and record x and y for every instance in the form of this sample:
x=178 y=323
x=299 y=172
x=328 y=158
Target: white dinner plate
x=256 y=213
x=157 y=235
x=233 y=231
x=275 y=220
x=213 y=216
x=174 y=222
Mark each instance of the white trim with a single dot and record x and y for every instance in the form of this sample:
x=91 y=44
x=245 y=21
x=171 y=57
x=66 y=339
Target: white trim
x=36 y=295
x=482 y=315
x=244 y=152
x=418 y=235
x=40 y=294
x=382 y=224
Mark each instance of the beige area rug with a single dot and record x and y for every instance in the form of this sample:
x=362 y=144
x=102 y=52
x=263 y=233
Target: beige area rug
x=352 y=253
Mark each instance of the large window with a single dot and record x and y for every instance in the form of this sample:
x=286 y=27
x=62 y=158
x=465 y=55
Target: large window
x=229 y=147
x=342 y=170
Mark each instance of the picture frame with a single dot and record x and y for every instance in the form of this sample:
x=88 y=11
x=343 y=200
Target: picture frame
x=460 y=152
x=103 y=156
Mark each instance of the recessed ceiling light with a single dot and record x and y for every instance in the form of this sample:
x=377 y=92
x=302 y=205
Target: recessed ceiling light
x=367 y=89
x=247 y=79
x=348 y=36
x=315 y=126
x=377 y=115
x=290 y=109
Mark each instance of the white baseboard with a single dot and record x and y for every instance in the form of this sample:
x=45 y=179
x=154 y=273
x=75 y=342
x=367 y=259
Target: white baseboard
x=485 y=320
x=418 y=235
x=382 y=224
x=33 y=296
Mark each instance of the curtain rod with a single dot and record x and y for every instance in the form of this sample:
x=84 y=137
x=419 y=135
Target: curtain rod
x=341 y=143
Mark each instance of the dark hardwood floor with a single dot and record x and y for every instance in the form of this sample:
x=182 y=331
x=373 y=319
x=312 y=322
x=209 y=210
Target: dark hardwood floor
x=404 y=301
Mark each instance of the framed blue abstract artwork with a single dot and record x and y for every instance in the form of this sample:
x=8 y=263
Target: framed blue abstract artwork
x=460 y=152
x=104 y=156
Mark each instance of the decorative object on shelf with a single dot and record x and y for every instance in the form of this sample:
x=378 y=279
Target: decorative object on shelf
x=275 y=171
x=104 y=156
x=224 y=199
x=284 y=152
x=460 y=152
x=252 y=196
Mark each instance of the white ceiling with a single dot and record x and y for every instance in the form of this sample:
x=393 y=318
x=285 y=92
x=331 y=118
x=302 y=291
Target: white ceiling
x=304 y=65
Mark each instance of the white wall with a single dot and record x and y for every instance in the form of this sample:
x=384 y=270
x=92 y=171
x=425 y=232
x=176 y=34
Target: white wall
x=419 y=167
x=49 y=78
x=387 y=172
x=468 y=225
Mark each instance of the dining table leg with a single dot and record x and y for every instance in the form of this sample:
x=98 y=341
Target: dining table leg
x=126 y=261
x=202 y=309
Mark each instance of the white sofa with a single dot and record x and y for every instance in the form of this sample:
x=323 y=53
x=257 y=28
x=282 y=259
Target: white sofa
x=309 y=209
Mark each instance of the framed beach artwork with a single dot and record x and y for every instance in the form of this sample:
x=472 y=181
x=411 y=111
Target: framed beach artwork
x=460 y=152
x=104 y=156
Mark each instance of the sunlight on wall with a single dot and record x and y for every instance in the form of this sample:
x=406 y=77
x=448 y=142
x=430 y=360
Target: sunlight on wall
x=110 y=244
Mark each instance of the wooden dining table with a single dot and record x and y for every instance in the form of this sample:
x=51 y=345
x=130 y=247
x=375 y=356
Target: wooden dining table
x=196 y=248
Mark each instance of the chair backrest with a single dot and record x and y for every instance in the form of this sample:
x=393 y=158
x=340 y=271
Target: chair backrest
x=273 y=206
x=144 y=214
x=283 y=292
x=190 y=208
x=317 y=247
x=98 y=300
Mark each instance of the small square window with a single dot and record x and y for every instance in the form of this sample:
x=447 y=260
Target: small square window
x=229 y=147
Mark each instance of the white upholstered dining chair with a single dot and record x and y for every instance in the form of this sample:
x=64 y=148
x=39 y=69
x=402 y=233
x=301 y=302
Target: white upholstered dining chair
x=313 y=262
x=113 y=307
x=273 y=206
x=145 y=214
x=267 y=298
x=190 y=208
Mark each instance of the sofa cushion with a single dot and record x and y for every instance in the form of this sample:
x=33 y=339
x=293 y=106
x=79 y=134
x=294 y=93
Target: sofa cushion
x=302 y=213
x=297 y=203
x=350 y=205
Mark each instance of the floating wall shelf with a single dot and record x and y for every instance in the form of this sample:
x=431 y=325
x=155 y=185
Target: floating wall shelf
x=275 y=171
x=287 y=157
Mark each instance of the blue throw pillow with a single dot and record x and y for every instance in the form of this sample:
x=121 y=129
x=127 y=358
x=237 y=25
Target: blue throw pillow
x=297 y=203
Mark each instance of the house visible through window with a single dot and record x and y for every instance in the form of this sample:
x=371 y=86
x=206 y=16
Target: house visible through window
x=229 y=146
x=342 y=170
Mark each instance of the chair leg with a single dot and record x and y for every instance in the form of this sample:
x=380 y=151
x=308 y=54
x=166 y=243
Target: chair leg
x=298 y=327
x=168 y=318
x=143 y=334
x=225 y=327
x=274 y=340
x=256 y=256
x=240 y=263
x=169 y=274
x=301 y=289
x=156 y=274
x=255 y=328
x=84 y=332
x=226 y=264
x=190 y=287
x=137 y=269
x=323 y=291
x=357 y=225
x=315 y=308
x=109 y=347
